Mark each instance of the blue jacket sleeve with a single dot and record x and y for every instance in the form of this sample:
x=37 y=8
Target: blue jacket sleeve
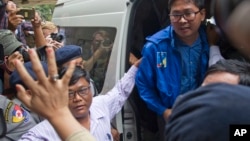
x=146 y=80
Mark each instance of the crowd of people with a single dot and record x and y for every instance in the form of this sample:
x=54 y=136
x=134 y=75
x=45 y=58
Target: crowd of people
x=182 y=77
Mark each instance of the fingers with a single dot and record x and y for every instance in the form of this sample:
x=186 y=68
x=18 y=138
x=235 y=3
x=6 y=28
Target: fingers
x=28 y=80
x=48 y=39
x=52 y=67
x=36 y=66
x=54 y=44
x=13 y=15
x=69 y=72
x=55 y=47
x=11 y=60
x=37 y=18
x=23 y=96
x=36 y=21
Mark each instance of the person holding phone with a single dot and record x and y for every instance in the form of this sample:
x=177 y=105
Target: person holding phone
x=8 y=18
x=28 y=15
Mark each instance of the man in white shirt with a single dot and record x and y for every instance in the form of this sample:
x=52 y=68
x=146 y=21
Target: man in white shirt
x=96 y=118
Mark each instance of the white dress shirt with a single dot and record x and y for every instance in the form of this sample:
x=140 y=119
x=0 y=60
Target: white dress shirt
x=102 y=110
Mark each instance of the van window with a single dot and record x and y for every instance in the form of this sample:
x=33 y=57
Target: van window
x=97 y=45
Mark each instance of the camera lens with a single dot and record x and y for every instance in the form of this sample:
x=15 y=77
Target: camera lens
x=57 y=37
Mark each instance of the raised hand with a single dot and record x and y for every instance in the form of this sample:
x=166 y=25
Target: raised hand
x=49 y=94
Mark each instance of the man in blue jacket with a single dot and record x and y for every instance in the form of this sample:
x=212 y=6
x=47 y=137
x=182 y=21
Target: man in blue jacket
x=175 y=59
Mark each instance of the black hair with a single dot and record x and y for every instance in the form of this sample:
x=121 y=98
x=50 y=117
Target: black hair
x=77 y=74
x=199 y=3
x=236 y=67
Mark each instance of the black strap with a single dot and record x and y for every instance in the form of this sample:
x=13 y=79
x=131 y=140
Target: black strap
x=3 y=128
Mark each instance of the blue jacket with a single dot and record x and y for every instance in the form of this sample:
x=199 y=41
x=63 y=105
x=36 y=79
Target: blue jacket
x=159 y=76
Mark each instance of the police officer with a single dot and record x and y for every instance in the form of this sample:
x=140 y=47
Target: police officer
x=15 y=120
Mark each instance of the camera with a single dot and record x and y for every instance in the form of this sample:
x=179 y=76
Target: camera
x=27 y=13
x=40 y=52
x=57 y=37
x=107 y=43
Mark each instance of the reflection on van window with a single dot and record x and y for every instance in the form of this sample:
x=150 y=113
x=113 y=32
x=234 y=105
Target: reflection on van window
x=97 y=44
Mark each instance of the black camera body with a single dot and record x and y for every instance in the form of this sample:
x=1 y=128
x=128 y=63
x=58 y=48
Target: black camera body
x=40 y=52
x=57 y=37
x=107 y=42
x=27 y=13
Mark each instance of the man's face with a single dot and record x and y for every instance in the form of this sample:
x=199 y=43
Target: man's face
x=79 y=105
x=97 y=41
x=223 y=77
x=187 y=29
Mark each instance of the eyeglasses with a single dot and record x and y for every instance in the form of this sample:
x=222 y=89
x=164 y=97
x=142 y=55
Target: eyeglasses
x=189 y=16
x=81 y=92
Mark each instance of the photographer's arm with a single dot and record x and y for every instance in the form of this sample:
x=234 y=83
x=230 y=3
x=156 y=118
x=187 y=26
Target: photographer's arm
x=88 y=64
x=39 y=38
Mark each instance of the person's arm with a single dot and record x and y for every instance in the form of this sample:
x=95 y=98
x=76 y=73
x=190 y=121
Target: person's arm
x=38 y=33
x=213 y=38
x=67 y=130
x=79 y=136
x=88 y=64
x=49 y=97
x=132 y=59
x=145 y=81
x=116 y=97
x=214 y=55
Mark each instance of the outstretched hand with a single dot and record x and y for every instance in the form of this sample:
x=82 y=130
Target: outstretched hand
x=46 y=96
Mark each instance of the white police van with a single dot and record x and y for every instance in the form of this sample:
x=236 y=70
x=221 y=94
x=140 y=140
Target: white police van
x=128 y=22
